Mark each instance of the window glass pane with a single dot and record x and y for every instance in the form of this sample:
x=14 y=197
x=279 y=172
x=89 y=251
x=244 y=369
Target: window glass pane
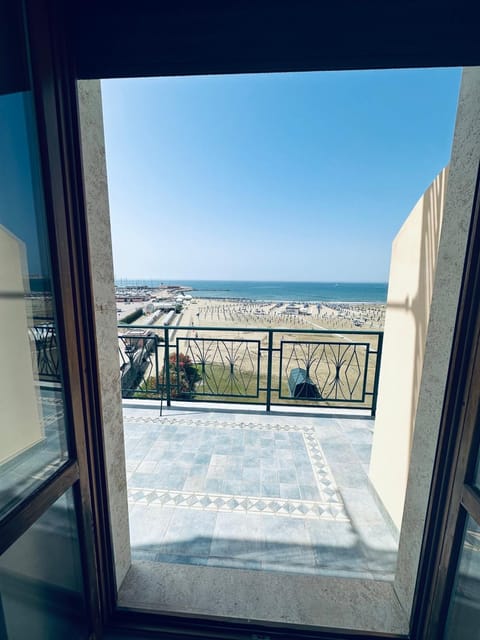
x=41 y=587
x=476 y=480
x=464 y=615
x=32 y=428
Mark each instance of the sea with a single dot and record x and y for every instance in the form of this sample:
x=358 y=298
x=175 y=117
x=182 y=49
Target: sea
x=373 y=292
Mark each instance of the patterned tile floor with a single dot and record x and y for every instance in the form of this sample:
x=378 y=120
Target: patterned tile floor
x=255 y=491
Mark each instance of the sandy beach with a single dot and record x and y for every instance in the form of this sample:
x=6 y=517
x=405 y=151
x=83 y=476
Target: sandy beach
x=239 y=333
x=275 y=315
x=247 y=316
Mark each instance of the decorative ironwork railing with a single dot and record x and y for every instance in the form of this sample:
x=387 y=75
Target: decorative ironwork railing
x=44 y=337
x=295 y=367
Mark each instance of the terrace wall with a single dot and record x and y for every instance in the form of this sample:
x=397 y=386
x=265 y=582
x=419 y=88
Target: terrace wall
x=410 y=287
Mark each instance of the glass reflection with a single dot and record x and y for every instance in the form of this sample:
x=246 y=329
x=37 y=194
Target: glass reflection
x=476 y=480
x=464 y=615
x=41 y=587
x=32 y=429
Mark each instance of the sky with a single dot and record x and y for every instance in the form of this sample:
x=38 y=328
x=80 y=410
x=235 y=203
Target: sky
x=295 y=176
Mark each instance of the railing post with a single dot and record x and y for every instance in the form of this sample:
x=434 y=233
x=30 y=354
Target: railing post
x=166 y=367
x=377 y=373
x=269 y=369
x=157 y=377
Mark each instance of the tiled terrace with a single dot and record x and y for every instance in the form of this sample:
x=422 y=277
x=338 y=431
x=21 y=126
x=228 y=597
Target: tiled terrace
x=253 y=490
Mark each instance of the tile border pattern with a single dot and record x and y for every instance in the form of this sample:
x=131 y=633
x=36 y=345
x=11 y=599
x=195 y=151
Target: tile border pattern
x=330 y=507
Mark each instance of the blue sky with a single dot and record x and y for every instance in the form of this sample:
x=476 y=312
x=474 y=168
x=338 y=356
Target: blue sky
x=297 y=177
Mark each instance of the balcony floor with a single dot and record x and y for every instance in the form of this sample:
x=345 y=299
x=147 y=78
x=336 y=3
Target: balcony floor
x=252 y=490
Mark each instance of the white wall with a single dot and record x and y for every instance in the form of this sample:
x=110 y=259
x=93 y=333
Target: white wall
x=410 y=287
x=459 y=199
x=20 y=425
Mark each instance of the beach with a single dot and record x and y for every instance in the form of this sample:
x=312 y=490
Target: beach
x=248 y=304
x=238 y=340
x=276 y=315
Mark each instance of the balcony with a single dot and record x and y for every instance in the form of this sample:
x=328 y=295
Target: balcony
x=250 y=449
x=318 y=369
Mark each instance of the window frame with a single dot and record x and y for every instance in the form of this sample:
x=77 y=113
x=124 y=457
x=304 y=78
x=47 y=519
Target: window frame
x=55 y=125
x=73 y=43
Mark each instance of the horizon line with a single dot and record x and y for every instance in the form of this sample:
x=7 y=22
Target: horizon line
x=247 y=280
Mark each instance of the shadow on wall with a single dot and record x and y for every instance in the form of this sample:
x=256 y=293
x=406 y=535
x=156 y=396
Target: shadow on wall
x=410 y=288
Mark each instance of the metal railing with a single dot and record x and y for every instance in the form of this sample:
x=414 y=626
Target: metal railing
x=44 y=338
x=272 y=367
